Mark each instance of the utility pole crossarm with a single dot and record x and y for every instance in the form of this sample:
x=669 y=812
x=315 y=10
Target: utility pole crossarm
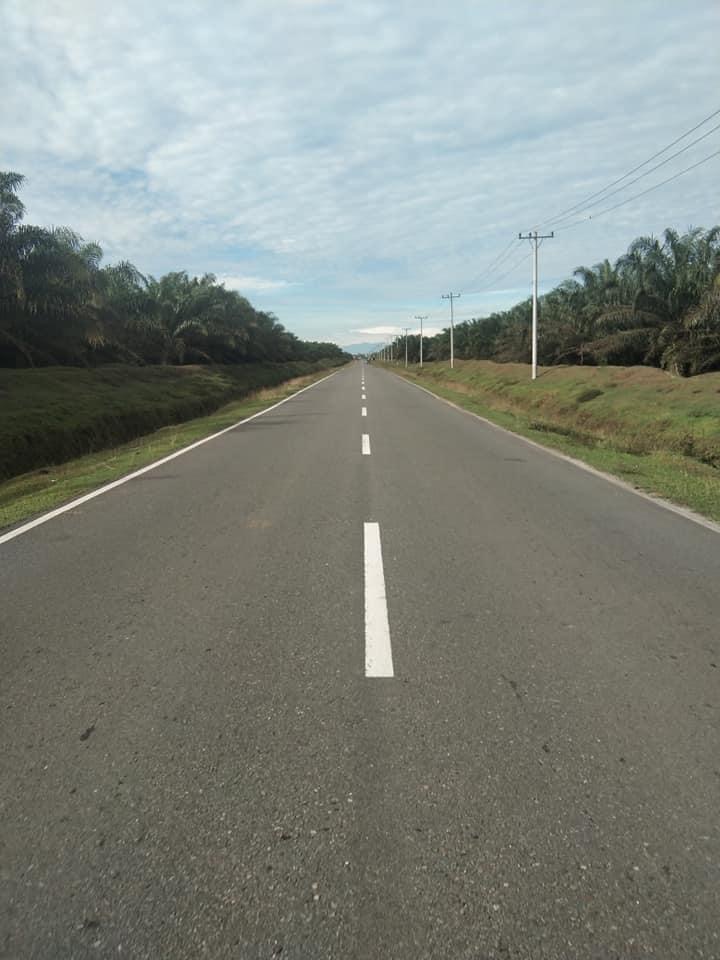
x=534 y=237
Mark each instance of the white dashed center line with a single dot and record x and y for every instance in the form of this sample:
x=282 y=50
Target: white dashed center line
x=378 y=652
x=364 y=411
x=366 y=444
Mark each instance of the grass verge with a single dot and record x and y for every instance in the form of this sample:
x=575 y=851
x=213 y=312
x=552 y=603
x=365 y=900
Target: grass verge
x=30 y=494
x=53 y=414
x=659 y=433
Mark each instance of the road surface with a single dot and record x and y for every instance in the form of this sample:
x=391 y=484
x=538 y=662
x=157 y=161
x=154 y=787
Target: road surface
x=435 y=693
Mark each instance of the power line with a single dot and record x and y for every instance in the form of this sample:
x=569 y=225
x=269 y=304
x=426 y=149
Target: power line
x=645 y=174
x=502 y=276
x=525 y=256
x=659 y=153
x=600 y=213
x=494 y=263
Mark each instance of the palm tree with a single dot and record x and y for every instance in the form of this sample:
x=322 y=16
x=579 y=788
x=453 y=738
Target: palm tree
x=61 y=294
x=698 y=349
x=13 y=238
x=656 y=284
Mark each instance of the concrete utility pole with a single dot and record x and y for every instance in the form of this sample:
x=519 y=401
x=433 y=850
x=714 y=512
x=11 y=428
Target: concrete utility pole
x=533 y=237
x=451 y=297
x=421 y=335
x=407 y=331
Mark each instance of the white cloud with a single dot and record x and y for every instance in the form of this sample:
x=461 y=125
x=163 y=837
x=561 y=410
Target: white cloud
x=386 y=332
x=250 y=284
x=381 y=331
x=374 y=155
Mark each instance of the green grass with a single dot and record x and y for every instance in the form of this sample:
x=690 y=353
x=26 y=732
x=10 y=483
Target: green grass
x=52 y=414
x=657 y=432
x=40 y=490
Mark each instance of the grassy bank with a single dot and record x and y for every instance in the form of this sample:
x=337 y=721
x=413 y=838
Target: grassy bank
x=53 y=414
x=658 y=432
x=33 y=493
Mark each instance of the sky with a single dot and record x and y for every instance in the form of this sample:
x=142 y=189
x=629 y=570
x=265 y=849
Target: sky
x=344 y=164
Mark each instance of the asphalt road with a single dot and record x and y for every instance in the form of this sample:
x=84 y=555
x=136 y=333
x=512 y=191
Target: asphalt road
x=195 y=764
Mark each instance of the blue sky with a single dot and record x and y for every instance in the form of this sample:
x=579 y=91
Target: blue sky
x=344 y=164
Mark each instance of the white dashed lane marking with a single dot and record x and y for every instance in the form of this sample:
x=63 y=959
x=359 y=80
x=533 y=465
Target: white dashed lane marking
x=378 y=651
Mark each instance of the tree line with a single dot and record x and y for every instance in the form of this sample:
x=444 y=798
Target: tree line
x=657 y=305
x=60 y=305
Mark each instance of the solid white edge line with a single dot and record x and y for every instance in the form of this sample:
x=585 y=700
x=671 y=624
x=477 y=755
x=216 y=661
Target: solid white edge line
x=363 y=411
x=684 y=512
x=18 y=531
x=366 y=444
x=378 y=651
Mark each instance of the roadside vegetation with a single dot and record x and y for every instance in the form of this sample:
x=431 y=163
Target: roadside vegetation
x=25 y=496
x=658 y=305
x=52 y=414
x=658 y=432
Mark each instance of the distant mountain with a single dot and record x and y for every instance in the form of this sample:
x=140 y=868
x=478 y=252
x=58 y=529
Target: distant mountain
x=362 y=347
